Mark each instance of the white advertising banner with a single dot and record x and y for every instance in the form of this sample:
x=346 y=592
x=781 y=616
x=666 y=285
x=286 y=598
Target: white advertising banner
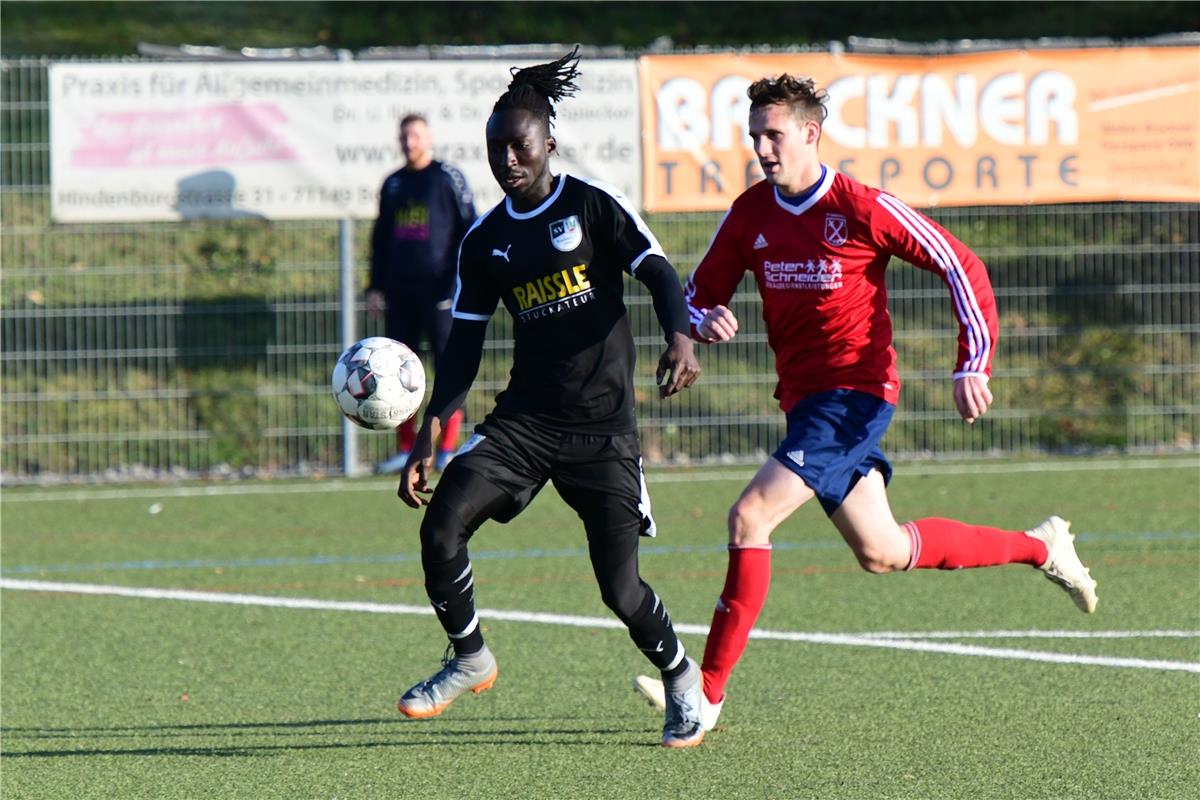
x=301 y=140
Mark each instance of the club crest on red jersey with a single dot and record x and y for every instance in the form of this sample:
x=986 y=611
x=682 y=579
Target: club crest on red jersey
x=835 y=229
x=566 y=234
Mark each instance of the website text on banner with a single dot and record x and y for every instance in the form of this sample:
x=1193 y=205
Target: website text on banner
x=134 y=142
x=1052 y=126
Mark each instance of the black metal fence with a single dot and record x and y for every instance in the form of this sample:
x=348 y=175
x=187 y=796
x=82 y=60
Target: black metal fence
x=196 y=347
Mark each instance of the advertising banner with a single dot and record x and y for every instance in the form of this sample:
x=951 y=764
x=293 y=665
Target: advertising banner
x=301 y=140
x=1011 y=127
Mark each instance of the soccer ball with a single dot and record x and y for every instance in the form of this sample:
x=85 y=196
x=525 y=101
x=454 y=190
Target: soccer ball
x=378 y=383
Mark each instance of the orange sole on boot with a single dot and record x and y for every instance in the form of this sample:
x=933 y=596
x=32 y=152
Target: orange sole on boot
x=675 y=744
x=482 y=686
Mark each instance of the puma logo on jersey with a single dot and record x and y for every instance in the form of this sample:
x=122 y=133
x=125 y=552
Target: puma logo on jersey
x=502 y=253
x=760 y=242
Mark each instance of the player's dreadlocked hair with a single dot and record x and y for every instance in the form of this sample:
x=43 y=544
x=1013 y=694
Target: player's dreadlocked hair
x=537 y=88
x=801 y=94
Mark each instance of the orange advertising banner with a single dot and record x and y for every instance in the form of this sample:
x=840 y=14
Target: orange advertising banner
x=1012 y=127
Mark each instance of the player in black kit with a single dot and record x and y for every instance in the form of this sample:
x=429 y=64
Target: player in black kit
x=555 y=252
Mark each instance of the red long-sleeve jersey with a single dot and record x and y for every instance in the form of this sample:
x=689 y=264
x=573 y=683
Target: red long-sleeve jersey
x=820 y=270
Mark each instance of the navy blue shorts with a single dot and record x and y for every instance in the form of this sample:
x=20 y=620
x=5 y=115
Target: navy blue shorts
x=833 y=440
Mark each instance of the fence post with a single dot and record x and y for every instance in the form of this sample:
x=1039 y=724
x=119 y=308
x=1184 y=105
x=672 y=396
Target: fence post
x=348 y=303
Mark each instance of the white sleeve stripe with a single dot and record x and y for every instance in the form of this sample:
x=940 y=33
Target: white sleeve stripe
x=979 y=341
x=943 y=254
x=655 y=248
x=966 y=305
x=716 y=231
x=934 y=244
x=689 y=286
x=966 y=310
x=938 y=248
x=458 y=268
x=696 y=315
x=457 y=278
x=474 y=317
x=648 y=252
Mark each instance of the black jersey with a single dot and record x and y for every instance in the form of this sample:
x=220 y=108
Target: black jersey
x=423 y=215
x=560 y=271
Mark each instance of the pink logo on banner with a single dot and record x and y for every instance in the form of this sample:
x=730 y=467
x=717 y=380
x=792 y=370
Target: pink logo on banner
x=223 y=134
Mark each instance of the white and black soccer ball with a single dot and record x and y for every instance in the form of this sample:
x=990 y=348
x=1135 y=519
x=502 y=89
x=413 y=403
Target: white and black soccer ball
x=378 y=383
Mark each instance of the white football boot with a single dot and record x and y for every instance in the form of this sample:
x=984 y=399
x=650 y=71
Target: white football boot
x=1063 y=565
x=682 y=701
x=434 y=695
x=654 y=693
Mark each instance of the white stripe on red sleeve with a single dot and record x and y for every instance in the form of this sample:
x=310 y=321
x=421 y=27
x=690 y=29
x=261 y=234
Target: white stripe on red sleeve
x=966 y=306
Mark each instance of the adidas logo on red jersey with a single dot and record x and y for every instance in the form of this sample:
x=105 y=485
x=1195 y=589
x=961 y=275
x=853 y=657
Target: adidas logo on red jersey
x=760 y=242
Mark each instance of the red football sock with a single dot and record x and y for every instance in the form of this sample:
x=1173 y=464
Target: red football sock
x=406 y=436
x=950 y=544
x=450 y=432
x=746 y=584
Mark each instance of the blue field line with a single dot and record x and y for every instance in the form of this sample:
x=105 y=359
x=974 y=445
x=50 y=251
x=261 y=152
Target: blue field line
x=59 y=494
x=393 y=558
x=494 y=555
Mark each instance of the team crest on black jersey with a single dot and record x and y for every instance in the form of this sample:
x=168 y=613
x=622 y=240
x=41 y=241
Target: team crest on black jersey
x=566 y=234
x=835 y=229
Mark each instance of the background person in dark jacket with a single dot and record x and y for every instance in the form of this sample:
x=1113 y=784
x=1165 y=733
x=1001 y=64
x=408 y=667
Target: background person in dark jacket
x=425 y=209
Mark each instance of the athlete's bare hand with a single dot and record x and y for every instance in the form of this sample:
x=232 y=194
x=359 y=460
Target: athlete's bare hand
x=376 y=304
x=718 y=325
x=414 y=478
x=972 y=397
x=677 y=367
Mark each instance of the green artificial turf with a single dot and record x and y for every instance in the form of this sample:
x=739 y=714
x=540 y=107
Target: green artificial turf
x=117 y=697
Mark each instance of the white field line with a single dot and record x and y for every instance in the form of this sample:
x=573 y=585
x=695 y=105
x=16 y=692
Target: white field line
x=1156 y=634
x=17 y=495
x=886 y=640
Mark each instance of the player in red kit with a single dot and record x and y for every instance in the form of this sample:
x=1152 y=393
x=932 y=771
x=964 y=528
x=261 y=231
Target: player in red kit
x=818 y=244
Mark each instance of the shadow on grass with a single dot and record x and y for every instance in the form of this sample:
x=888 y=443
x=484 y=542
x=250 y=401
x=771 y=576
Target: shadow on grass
x=408 y=733
x=98 y=730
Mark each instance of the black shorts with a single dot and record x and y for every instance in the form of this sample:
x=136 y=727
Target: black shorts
x=418 y=315
x=599 y=476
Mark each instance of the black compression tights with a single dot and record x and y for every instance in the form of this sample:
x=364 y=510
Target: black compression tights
x=464 y=501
